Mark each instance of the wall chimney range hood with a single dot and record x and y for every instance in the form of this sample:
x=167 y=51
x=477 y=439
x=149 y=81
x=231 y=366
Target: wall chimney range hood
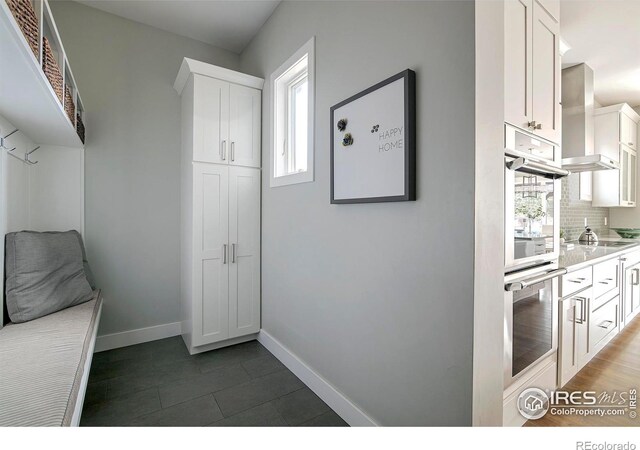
x=578 y=104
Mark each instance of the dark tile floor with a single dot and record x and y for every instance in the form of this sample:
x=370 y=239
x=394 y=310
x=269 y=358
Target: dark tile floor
x=159 y=384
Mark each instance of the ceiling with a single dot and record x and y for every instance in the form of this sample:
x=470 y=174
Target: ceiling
x=225 y=24
x=606 y=36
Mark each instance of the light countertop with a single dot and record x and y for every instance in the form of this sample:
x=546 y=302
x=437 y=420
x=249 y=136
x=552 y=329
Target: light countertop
x=580 y=255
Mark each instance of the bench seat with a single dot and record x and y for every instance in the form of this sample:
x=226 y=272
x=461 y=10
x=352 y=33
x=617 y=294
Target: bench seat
x=44 y=366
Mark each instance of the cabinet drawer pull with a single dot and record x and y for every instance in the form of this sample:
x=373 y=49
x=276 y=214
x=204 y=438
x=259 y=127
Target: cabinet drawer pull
x=233 y=253
x=578 y=281
x=224 y=253
x=233 y=151
x=223 y=150
x=606 y=324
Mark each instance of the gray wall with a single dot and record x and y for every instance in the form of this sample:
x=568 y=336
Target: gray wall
x=378 y=298
x=573 y=211
x=125 y=72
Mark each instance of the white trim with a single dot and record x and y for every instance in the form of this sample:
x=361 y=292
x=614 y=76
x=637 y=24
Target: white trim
x=216 y=345
x=190 y=66
x=132 y=337
x=77 y=410
x=304 y=177
x=344 y=407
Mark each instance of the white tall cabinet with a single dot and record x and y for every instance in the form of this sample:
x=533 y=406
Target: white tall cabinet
x=532 y=67
x=220 y=217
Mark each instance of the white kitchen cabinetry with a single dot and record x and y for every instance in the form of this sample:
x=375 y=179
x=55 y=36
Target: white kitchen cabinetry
x=220 y=226
x=616 y=136
x=631 y=294
x=574 y=350
x=532 y=68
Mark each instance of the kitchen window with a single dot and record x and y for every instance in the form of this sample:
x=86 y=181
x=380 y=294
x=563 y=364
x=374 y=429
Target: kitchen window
x=292 y=118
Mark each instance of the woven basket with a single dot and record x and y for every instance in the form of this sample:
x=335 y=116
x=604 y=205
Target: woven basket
x=80 y=128
x=27 y=21
x=69 y=106
x=51 y=69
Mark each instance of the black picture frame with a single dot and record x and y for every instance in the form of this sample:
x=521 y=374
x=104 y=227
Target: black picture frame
x=409 y=77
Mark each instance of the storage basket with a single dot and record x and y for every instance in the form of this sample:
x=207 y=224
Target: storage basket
x=69 y=106
x=80 y=128
x=51 y=69
x=25 y=15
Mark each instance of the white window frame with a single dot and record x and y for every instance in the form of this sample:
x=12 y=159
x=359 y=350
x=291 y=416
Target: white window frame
x=301 y=177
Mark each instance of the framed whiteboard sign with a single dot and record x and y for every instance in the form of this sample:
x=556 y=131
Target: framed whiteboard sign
x=373 y=143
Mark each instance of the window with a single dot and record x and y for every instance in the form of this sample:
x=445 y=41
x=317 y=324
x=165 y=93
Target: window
x=292 y=108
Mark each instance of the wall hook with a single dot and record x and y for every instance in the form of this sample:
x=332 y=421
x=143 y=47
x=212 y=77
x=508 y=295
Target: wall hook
x=26 y=157
x=3 y=138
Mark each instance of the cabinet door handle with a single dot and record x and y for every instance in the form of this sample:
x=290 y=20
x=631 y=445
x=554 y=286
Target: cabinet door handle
x=223 y=150
x=233 y=151
x=534 y=126
x=630 y=144
x=224 y=253
x=573 y=345
x=608 y=324
x=635 y=278
x=583 y=312
x=233 y=253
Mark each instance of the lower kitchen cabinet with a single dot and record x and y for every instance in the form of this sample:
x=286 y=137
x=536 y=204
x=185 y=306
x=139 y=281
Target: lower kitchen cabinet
x=574 y=346
x=631 y=293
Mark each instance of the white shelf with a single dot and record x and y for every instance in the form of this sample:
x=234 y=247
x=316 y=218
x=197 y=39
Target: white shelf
x=27 y=99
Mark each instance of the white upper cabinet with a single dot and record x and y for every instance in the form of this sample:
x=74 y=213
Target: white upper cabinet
x=616 y=136
x=210 y=119
x=517 y=55
x=226 y=113
x=244 y=126
x=532 y=68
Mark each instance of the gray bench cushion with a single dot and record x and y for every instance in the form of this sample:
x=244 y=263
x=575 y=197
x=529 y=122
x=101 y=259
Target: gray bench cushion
x=42 y=363
x=45 y=273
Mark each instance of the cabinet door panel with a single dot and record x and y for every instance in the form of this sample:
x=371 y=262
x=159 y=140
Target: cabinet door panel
x=568 y=362
x=583 y=345
x=244 y=235
x=211 y=270
x=244 y=126
x=211 y=120
x=546 y=74
x=517 y=56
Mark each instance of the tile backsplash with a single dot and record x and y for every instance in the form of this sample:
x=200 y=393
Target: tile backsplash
x=573 y=211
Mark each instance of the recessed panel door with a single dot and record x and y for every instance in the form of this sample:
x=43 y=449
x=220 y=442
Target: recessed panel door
x=244 y=236
x=211 y=253
x=244 y=126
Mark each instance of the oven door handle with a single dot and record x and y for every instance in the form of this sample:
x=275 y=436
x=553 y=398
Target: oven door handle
x=523 y=284
x=545 y=169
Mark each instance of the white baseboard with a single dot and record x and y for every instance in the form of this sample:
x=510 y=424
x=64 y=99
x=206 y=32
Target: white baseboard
x=344 y=407
x=132 y=337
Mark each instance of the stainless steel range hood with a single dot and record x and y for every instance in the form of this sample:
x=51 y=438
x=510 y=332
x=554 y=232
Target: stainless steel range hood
x=589 y=163
x=578 y=104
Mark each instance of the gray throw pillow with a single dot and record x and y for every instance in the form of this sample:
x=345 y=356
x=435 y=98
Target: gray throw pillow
x=44 y=273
